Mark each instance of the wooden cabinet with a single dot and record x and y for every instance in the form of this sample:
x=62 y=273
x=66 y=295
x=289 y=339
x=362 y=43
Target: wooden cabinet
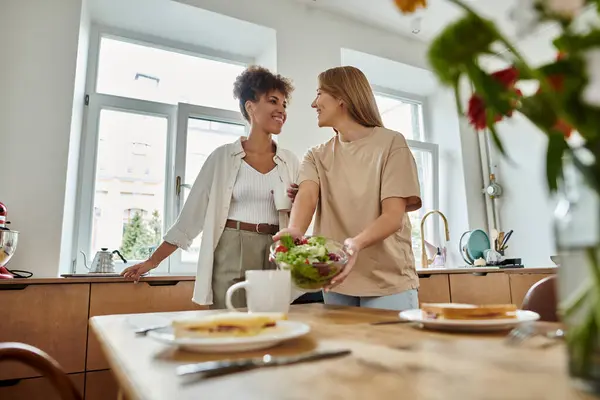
x=480 y=288
x=129 y=298
x=521 y=283
x=434 y=288
x=36 y=388
x=100 y=385
x=50 y=317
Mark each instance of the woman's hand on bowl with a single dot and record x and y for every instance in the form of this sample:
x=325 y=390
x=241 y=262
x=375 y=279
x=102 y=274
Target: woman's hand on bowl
x=352 y=249
x=295 y=233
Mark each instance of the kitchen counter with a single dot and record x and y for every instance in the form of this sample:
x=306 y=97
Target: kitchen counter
x=95 y=279
x=474 y=270
x=423 y=272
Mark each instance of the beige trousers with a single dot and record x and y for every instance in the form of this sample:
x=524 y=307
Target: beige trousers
x=237 y=252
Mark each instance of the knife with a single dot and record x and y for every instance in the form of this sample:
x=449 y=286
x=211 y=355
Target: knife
x=214 y=368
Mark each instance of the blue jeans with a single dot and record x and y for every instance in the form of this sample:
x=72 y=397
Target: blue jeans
x=407 y=300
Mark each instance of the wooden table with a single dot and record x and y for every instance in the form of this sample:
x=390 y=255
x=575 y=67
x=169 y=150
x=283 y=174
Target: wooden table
x=387 y=361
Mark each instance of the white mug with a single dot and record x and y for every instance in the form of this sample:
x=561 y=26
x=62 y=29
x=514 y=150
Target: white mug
x=280 y=196
x=266 y=291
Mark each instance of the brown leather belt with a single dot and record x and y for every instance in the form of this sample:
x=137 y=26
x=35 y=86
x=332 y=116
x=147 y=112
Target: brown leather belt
x=264 y=229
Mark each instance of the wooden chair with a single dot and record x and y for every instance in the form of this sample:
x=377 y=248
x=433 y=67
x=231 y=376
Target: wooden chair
x=542 y=298
x=44 y=364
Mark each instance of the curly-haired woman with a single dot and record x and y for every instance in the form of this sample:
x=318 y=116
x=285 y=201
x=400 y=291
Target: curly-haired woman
x=232 y=200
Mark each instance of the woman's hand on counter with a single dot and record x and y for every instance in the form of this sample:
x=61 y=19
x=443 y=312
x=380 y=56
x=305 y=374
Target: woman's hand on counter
x=136 y=271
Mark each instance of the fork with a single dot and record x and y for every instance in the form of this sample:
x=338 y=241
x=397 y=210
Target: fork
x=145 y=330
x=519 y=334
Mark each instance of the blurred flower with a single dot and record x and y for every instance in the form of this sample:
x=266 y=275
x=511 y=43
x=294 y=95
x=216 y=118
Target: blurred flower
x=410 y=6
x=508 y=76
x=564 y=8
x=564 y=128
x=591 y=93
x=476 y=111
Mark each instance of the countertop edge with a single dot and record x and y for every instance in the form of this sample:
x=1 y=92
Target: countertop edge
x=94 y=279
x=475 y=270
x=172 y=278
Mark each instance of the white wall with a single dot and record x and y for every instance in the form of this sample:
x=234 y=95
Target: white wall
x=38 y=49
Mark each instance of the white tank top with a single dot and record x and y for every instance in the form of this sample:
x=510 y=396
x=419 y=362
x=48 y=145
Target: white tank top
x=252 y=198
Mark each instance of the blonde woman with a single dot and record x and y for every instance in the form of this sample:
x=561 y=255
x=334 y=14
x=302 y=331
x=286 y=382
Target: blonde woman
x=232 y=201
x=362 y=182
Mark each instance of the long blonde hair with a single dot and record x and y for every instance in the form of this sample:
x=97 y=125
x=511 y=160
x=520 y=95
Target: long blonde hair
x=350 y=85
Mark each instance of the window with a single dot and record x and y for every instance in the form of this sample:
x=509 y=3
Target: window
x=203 y=136
x=406 y=117
x=149 y=73
x=136 y=146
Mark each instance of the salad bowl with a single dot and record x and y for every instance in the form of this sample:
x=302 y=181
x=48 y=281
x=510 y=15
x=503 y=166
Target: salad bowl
x=313 y=261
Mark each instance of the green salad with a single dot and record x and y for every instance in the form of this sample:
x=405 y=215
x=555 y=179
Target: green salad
x=310 y=263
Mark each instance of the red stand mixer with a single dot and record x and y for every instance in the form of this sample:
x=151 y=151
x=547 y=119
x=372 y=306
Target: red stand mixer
x=8 y=244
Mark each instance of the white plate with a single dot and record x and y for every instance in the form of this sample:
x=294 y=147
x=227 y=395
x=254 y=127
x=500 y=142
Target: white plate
x=479 y=325
x=285 y=330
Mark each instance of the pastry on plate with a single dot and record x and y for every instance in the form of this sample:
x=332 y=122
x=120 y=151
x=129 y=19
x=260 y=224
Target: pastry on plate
x=226 y=324
x=469 y=311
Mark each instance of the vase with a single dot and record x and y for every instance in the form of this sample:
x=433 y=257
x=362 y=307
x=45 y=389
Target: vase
x=577 y=231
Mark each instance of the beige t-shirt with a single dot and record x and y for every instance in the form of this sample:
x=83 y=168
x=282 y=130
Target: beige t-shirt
x=354 y=178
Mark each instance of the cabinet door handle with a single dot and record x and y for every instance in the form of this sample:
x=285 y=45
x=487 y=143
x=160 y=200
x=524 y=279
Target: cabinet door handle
x=18 y=286
x=162 y=283
x=424 y=276
x=480 y=273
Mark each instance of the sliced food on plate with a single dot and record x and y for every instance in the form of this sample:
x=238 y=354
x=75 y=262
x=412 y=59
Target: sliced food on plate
x=459 y=311
x=226 y=325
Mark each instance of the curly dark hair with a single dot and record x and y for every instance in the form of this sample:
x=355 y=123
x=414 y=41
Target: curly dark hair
x=256 y=81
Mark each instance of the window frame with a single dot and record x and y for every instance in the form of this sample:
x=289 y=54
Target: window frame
x=96 y=102
x=184 y=113
x=424 y=145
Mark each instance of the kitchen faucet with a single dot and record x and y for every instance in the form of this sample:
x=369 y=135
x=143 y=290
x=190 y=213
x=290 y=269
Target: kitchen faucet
x=424 y=260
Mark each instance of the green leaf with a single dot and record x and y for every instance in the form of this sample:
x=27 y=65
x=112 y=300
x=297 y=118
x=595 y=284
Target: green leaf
x=497 y=140
x=538 y=111
x=459 y=44
x=287 y=241
x=573 y=43
x=556 y=148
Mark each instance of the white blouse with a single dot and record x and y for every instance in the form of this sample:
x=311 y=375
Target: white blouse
x=252 y=197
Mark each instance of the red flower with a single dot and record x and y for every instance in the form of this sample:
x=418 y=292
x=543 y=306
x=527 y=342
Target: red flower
x=564 y=128
x=477 y=111
x=508 y=76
